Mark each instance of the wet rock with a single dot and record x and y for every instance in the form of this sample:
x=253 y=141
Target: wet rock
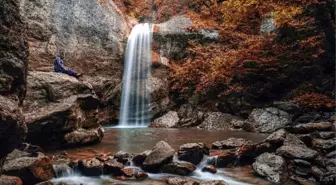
x=189 y=181
x=269 y=119
x=132 y=173
x=306 y=139
x=63 y=170
x=10 y=180
x=309 y=127
x=321 y=144
x=178 y=168
x=168 y=120
x=123 y=157
x=230 y=143
x=211 y=169
x=138 y=159
x=264 y=147
x=113 y=167
x=272 y=167
x=277 y=137
x=84 y=136
x=219 y=121
x=31 y=170
x=222 y=158
x=294 y=148
x=181 y=181
x=161 y=154
x=192 y=152
x=91 y=167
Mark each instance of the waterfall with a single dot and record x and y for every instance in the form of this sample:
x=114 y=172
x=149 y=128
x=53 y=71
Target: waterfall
x=135 y=99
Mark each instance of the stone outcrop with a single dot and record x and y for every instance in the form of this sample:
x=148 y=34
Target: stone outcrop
x=219 y=121
x=89 y=32
x=60 y=111
x=13 y=71
x=178 y=168
x=169 y=120
x=268 y=120
x=230 y=143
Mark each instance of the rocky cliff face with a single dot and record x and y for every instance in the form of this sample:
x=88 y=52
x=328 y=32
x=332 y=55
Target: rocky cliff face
x=13 y=69
x=90 y=33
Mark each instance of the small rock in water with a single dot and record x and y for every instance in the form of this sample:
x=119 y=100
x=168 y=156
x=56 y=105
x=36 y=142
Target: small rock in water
x=192 y=152
x=178 y=168
x=113 y=167
x=222 y=158
x=161 y=154
x=210 y=169
x=123 y=157
x=91 y=167
x=140 y=158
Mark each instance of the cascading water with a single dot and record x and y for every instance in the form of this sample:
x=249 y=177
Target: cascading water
x=134 y=110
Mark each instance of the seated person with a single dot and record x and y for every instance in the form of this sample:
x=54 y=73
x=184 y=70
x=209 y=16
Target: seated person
x=59 y=67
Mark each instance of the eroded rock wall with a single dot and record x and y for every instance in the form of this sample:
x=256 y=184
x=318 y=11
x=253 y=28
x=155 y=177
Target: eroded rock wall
x=13 y=70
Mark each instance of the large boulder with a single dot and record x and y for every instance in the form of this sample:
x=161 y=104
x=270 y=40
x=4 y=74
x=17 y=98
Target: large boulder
x=58 y=108
x=91 y=167
x=190 y=115
x=91 y=33
x=269 y=120
x=294 y=148
x=219 y=121
x=13 y=71
x=193 y=152
x=272 y=167
x=169 y=120
x=161 y=154
x=30 y=169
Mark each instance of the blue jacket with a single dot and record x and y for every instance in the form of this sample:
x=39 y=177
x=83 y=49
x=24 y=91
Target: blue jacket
x=58 y=65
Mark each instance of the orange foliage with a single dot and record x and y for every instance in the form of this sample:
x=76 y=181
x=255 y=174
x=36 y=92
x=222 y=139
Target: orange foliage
x=315 y=101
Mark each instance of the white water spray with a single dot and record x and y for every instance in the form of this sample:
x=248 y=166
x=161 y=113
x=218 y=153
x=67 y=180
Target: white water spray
x=134 y=110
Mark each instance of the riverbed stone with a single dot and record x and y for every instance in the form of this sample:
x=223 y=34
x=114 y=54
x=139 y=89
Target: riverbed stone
x=192 y=152
x=230 y=143
x=84 y=136
x=169 y=120
x=269 y=119
x=222 y=159
x=10 y=180
x=294 y=148
x=91 y=167
x=272 y=167
x=29 y=169
x=178 y=168
x=309 y=127
x=123 y=157
x=138 y=159
x=162 y=153
x=189 y=181
x=210 y=168
x=113 y=167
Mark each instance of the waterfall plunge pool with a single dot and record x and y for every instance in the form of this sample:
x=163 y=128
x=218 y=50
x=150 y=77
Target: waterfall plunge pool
x=136 y=140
